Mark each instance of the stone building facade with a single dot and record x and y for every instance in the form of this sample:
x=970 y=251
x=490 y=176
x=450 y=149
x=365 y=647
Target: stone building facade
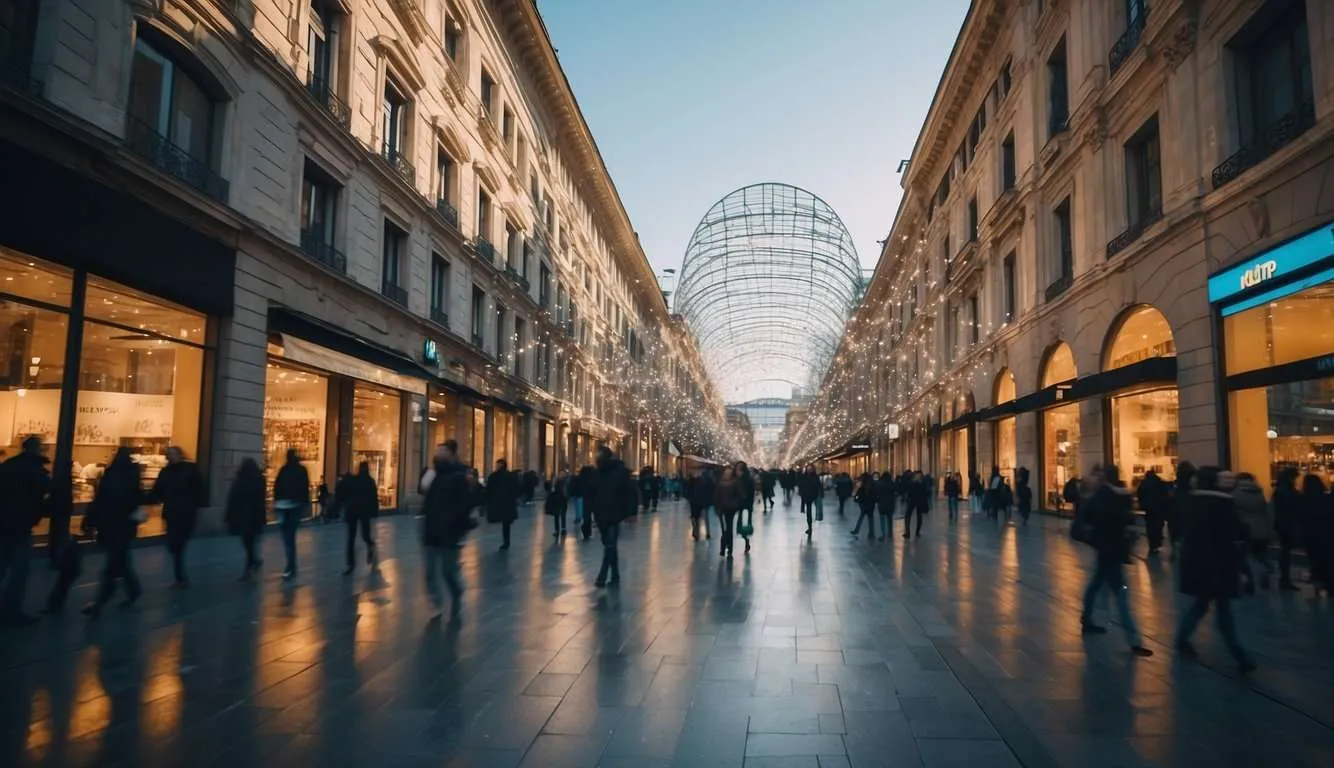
x=1055 y=291
x=353 y=229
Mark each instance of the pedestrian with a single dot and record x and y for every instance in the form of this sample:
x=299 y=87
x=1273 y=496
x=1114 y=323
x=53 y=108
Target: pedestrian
x=179 y=488
x=291 y=499
x=1024 y=493
x=360 y=505
x=1210 y=562
x=746 y=512
x=322 y=499
x=1180 y=506
x=886 y=496
x=808 y=488
x=1316 y=535
x=115 y=513
x=446 y=520
x=68 y=551
x=994 y=486
x=648 y=489
x=768 y=479
x=865 y=498
x=1108 y=512
x=701 y=501
x=502 y=500
x=976 y=493
x=1155 y=498
x=585 y=479
x=842 y=490
x=1253 y=512
x=1287 y=515
x=24 y=486
x=953 y=490
x=245 y=513
x=556 y=505
x=727 y=500
x=612 y=496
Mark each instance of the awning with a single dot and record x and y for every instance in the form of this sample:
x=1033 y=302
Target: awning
x=310 y=341
x=1145 y=373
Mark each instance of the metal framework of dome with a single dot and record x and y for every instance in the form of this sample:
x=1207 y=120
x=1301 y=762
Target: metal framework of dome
x=769 y=279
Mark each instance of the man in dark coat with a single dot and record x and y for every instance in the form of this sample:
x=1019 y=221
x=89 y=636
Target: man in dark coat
x=24 y=485
x=1287 y=503
x=768 y=479
x=115 y=514
x=842 y=490
x=612 y=498
x=808 y=489
x=582 y=482
x=291 y=499
x=1211 y=560
x=502 y=500
x=359 y=505
x=885 y=491
x=446 y=520
x=701 y=499
x=1109 y=513
x=648 y=489
x=1154 y=497
x=179 y=488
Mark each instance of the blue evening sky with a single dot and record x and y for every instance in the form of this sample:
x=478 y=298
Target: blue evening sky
x=691 y=99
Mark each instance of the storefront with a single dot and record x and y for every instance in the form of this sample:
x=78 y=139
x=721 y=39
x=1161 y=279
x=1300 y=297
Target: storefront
x=91 y=367
x=1004 y=443
x=1058 y=433
x=1276 y=320
x=337 y=410
x=1143 y=417
x=958 y=441
x=546 y=445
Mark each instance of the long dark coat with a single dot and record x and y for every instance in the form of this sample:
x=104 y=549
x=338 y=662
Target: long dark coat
x=1210 y=563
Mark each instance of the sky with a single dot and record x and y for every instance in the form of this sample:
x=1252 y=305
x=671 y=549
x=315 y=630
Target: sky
x=691 y=99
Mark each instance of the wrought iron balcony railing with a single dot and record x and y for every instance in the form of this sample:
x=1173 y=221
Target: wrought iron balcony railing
x=394 y=158
x=1132 y=233
x=447 y=212
x=1126 y=44
x=440 y=317
x=322 y=94
x=394 y=292
x=477 y=341
x=1271 y=139
x=1060 y=123
x=315 y=247
x=1059 y=286
x=485 y=250
x=160 y=152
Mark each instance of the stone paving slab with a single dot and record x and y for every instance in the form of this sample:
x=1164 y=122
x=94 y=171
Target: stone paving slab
x=958 y=648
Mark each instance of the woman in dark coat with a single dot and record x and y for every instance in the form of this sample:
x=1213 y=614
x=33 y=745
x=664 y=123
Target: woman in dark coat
x=359 y=508
x=1211 y=560
x=746 y=512
x=502 y=500
x=179 y=488
x=245 y=512
x=116 y=516
x=291 y=500
x=866 y=497
x=1287 y=515
x=1109 y=513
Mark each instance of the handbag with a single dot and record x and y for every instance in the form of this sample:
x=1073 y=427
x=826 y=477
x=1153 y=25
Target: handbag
x=746 y=530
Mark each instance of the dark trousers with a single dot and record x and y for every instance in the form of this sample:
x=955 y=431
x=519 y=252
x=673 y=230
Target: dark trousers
x=505 y=534
x=611 y=564
x=248 y=541
x=177 y=538
x=118 y=566
x=287 y=527
x=920 y=510
x=841 y=502
x=588 y=522
x=868 y=514
x=69 y=573
x=697 y=514
x=807 y=507
x=362 y=522
x=1285 y=545
x=727 y=522
x=559 y=519
x=1222 y=616
x=1153 y=527
x=15 y=557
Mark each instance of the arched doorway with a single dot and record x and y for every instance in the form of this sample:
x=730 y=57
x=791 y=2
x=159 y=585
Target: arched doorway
x=1004 y=445
x=1144 y=420
x=1060 y=428
x=957 y=444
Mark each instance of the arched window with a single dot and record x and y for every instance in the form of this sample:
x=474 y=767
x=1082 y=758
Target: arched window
x=1060 y=429
x=1059 y=365
x=1144 y=419
x=1142 y=333
x=1004 y=443
x=1005 y=389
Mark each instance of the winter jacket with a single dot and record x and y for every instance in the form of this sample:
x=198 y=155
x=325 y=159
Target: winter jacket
x=747 y=483
x=447 y=509
x=292 y=485
x=245 y=505
x=727 y=496
x=24 y=485
x=1210 y=564
x=1109 y=513
x=611 y=495
x=502 y=497
x=179 y=488
x=843 y=487
x=1287 y=511
x=808 y=486
x=359 y=498
x=885 y=489
x=114 y=506
x=1252 y=510
x=952 y=488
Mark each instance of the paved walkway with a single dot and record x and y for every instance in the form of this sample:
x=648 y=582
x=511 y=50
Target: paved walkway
x=961 y=648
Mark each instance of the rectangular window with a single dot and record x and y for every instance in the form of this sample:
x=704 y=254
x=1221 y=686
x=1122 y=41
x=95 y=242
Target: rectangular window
x=394 y=265
x=319 y=206
x=444 y=176
x=520 y=331
x=507 y=131
x=549 y=213
x=947 y=252
x=483 y=215
x=534 y=189
x=1008 y=169
x=439 y=289
x=1005 y=80
x=1144 y=177
x=1009 y=287
x=394 y=120
x=167 y=104
x=488 y=92
x=1058 y=96
x=453 y=41
x=973 y=331
x=513 y=244
x=1064 y=241
x=951 y=332
x=321 y=46
x=501 y=332
x=478 y=316
x=943 y=190
x=544 y=287
x=972 y=220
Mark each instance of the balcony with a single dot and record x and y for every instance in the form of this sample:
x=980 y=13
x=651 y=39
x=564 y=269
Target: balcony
x=394 y=292
x=1060 y=123
x=158 y=151
x=448 y=213
x=1126 y=44
x=440 y=317
x=516 y=278
x=1271 y=139
x=1132 y=233
x=477 y=341
x=314 y=246
x=322 y=94
x=395 y=159
x=1059 y=286
x=485 y=250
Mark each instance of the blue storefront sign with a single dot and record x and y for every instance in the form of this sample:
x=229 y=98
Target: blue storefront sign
x=1274 y=267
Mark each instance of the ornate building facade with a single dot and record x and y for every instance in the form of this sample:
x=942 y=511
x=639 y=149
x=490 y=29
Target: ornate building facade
x=353 y=229
x=1113 y=246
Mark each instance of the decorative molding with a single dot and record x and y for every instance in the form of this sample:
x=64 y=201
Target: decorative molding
x=1095 y=133
x=1259 y=212
x=1182 y=42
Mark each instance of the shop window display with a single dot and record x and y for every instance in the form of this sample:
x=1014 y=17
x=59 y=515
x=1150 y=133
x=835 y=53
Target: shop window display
x=376 y=420
x=1144 y=424
x=296 y=405
x=1288 y=329
x=478 y=440
x=1060 y=430
x=1005 y=443
x=504 y=439
x=442 y=415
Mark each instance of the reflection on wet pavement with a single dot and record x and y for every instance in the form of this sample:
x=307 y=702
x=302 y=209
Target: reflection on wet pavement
x=959 y=648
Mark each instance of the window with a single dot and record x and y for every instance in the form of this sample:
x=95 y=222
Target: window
x=507 y=131
x=544 y=287
x=322 y=47
x=1008 y=170
x=1064 y=266
x=394 y=267
x=445 y=170
x=972 y=220
x=394 y=120
x=951 y=333
x=501 y=332
x=483 y=215
x=171 y=120
x=1274 y=102
x=520 y=330
x=453 y=36
x=1144 y=178
x=1058 y=96
x=1008 y=281
x=488 y=92
x=943 y=190
x=478 y=316
x=549 y=213
x=439 y=290
x=1004 y=80
x=973 y=323
x=319 y=217
x=513 y=244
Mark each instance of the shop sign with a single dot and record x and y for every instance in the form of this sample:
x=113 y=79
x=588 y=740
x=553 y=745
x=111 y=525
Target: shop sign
x=892 y=431
x=430 y=352
x=1164 y=348
x=1274 y=264
x=859 y=447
